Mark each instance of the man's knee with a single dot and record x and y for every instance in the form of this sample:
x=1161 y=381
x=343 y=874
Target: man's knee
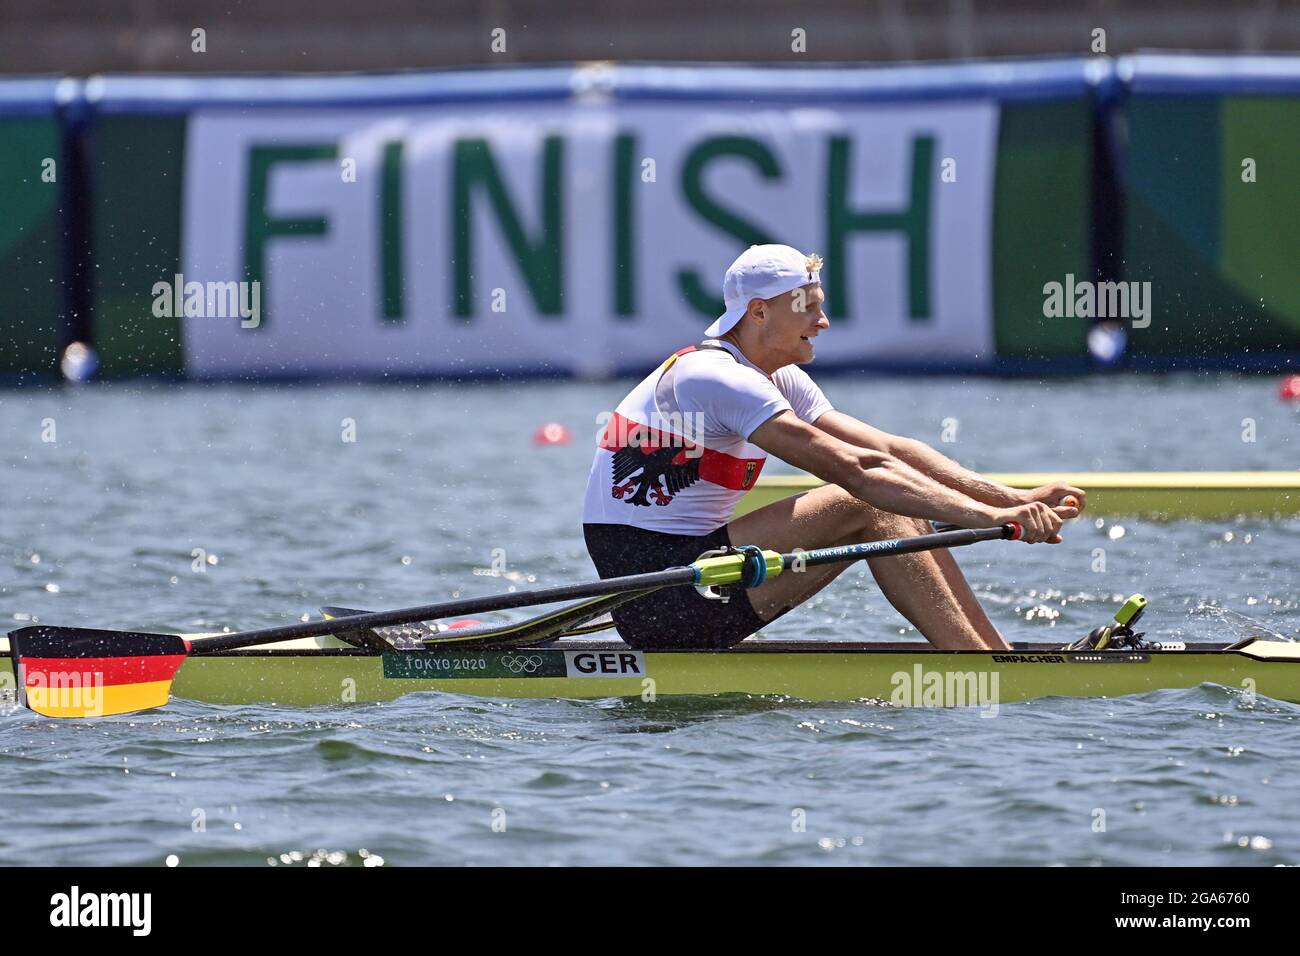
x=872 y=522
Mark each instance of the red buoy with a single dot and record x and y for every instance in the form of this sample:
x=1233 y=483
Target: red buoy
x=552 y=433
x=1289 y=389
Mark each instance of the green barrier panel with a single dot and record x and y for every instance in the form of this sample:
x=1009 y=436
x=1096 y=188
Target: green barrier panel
x=1041 y=220
x=1219 y=250
x=136 y=178
x=30 y=331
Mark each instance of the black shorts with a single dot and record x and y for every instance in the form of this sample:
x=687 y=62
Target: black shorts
x=678 y=617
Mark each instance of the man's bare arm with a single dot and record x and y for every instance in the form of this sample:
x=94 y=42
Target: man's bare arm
x=938 y=466
x=889 y=483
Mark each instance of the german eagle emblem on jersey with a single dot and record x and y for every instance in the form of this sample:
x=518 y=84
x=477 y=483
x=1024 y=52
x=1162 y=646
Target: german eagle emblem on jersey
x=647 y=473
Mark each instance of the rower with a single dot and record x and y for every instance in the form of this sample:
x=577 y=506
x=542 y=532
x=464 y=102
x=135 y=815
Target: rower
x=685 y=445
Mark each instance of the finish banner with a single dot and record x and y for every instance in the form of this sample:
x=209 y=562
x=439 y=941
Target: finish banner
x=523 y=223
x=545 y=237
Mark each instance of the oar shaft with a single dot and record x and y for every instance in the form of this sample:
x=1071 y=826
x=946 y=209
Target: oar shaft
x=953 y=538
x=727 y=569
x=708 y=571
x=433 y=612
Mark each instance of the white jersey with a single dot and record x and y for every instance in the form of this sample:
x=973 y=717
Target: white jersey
x=676 y=456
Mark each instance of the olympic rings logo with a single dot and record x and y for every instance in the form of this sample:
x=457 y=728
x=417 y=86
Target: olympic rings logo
x=520 y=664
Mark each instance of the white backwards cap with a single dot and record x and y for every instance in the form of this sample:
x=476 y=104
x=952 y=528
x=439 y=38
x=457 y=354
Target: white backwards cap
x=762 y=272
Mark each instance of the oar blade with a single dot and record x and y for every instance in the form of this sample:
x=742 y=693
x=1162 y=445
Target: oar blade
x=81 y=672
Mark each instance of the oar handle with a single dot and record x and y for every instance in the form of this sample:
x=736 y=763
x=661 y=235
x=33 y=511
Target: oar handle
x=1018 y=531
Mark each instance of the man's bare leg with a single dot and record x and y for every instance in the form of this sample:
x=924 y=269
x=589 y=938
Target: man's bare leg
x=926 y=588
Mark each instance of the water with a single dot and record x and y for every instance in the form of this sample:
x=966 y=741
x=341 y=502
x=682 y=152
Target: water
x=100 y=527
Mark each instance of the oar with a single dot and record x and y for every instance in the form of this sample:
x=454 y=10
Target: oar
x=567 y=621
x=81 y=672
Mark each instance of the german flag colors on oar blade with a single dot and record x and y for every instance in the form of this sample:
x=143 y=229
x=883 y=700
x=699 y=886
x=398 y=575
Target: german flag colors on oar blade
x=80 y=672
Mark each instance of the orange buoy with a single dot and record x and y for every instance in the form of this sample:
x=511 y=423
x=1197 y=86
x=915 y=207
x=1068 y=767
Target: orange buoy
x=552 y=433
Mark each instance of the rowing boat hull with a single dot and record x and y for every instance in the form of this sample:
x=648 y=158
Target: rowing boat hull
x=894 y=673
x=1205 y=495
